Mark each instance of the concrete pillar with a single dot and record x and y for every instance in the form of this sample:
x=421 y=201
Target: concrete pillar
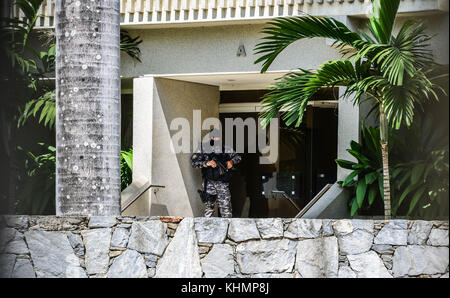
x=157 y=101
x=348 y=130
x=143 y=93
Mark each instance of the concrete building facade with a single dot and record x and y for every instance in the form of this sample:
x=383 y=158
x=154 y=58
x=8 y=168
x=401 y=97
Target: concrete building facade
x=196 y=52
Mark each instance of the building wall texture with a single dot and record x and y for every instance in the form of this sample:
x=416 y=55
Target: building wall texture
x=49 y=246
x=157 y=102
x=213 y=49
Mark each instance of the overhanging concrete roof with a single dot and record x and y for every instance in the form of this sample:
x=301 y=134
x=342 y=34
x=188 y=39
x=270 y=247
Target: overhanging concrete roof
x=229 y=80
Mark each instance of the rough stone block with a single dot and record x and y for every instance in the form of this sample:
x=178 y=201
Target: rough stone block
x=17 y=221
x=368 y=265
x=181 y=258
x=303 y=228
x=77 y=243
x=419 y=232
x=394 y=233
x=243 y=229
x=120 y=237
x=317 y=258
x=18 y=247
x=150 y=260
x=415 y=260
x=219 y=262
x=7 y=262
x=101 y=221
x=23 y=269
x=97 y=244
x=266 y=256
x=356 y=242
x=384 y=249
x=130 y=264
x=327 y=227
x=438 y=237
x=52 y=255
x=346 y=272
x=148 y=237
x=211 y=230
x=270 y=227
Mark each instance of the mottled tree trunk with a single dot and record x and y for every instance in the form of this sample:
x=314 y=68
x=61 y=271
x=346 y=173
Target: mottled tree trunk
x=385 y=159
x=87 y=107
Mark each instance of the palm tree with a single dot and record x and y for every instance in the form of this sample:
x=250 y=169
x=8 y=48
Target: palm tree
x=87 y=107
x=392 y=70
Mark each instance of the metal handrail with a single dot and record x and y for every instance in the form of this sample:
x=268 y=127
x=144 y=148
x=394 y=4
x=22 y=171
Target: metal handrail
x=313 y=201
x=140 y=192
x=287 y=197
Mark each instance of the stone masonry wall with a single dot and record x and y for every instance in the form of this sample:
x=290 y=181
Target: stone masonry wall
x=49 y=246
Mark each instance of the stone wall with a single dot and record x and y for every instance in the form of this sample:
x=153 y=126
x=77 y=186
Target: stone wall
x=49 y=246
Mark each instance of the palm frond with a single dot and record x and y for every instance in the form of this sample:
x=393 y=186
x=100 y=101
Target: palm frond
x=284 y=31
x=400 y=101
x=382 y=21
x=291 y=94
x=44 y=105
x=405 y=53
x=130 y=45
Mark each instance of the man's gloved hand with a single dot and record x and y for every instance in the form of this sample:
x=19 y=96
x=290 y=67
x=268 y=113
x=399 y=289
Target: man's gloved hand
x=211 y=163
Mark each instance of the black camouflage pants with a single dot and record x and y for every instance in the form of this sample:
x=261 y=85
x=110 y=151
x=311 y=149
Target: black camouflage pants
x=222 y=191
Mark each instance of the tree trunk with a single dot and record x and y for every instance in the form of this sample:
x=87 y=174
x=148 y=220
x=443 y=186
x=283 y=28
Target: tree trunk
x=87 y=107
x=385 y=158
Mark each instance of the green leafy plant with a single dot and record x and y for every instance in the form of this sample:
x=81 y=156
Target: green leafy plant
x=366 y=177
x=393 y=71
x=126 y=167
x=36 y=194
x=17 y=32
x=46 y=107
x=419 y=171
x=130 y=45
x=19 y=80
x=422 y=173
x=27 y=97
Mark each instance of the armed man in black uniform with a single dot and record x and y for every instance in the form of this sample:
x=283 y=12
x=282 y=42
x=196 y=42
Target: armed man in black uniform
x=216 y=164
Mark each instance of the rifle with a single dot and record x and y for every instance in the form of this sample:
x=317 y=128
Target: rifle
x=221 y=166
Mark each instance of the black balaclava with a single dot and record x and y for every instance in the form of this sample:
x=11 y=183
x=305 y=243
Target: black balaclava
x=214 y=133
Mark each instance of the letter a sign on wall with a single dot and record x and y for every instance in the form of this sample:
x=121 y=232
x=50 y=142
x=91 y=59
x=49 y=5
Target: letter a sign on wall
x=241 y=51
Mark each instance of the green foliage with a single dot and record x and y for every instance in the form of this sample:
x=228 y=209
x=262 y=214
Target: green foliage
x=284 y=31
x=130 y=45
x=422 y=174
x=393 y=70
x=36 y=192
x=419 y=174
x=126 y=167
x=48 y=59
x=383 y=18
x=16 y=33
x=45 y=105
x=366 y=178
x=293 y=92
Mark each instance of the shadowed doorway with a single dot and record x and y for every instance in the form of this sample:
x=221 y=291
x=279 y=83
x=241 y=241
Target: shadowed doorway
x=305 y=165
